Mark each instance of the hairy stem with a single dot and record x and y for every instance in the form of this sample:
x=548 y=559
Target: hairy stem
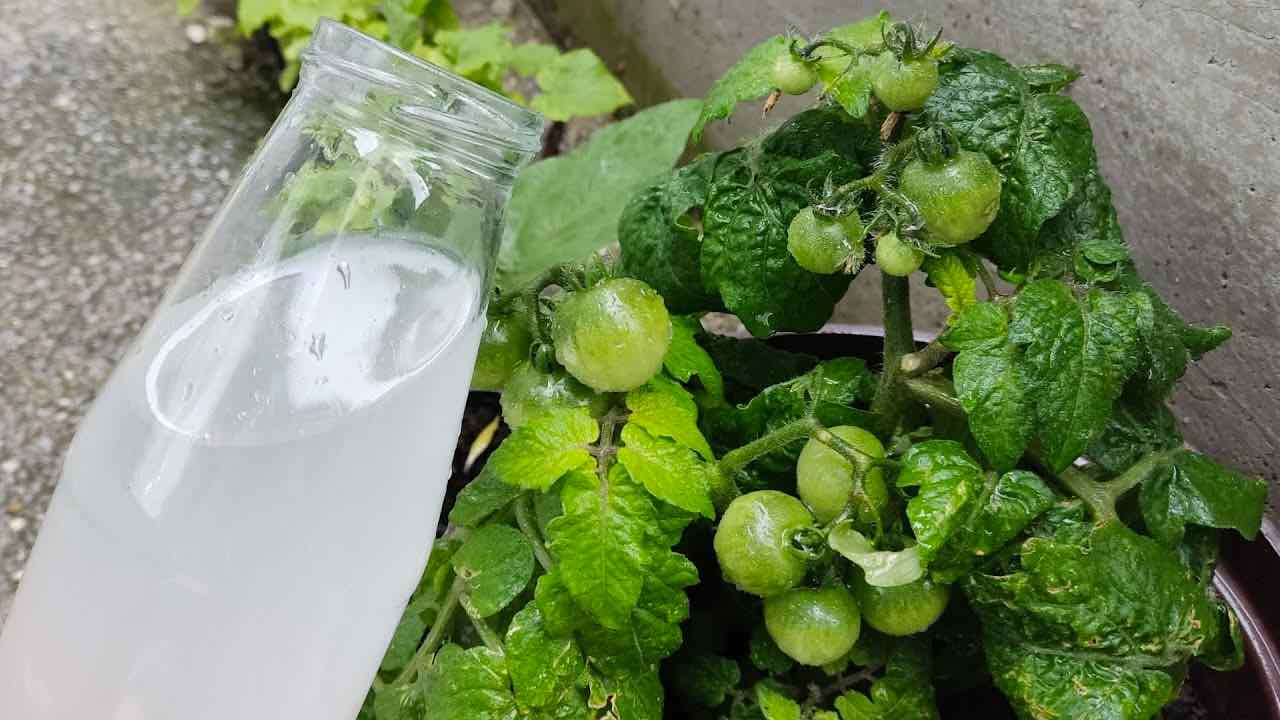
x=421 y=659
x=738 y=458
x=524 y=518
x=898 y=341
x=988 y=281
x=486 y=633
x=922 y=361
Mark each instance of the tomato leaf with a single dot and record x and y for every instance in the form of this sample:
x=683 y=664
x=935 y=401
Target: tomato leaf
x=754 y=196
x=847 y=80
x=962 y=514
x=1191 y=489
x=496 y=563
x=546 y=447
x=577 y=84
x=686 y=358
x=990 y=383
x=774 y=705
x=601 y=543
x=1049 y=77
x=544 y=668
x=880 y=568
x=665 y=409
x=704 y=679
x=1138 y=426
x=1092 y=622
x=1077 y=355
x=661 y=238
x=470 y=684
x=670 y=471
x=1041 y=143
x=750 y=78
x=566 y=207
x=953 y=273
x=481 y=498
x=904 y=693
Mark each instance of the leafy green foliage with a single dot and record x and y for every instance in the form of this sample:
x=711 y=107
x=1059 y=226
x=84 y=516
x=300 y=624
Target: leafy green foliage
x=576 y=554
x=588 y=189
x=1093 y=623
x=904 y=693
x=1190 y=489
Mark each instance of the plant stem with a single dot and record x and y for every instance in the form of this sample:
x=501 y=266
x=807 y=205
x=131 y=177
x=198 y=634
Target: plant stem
x=422 y=658
x=1135 y=474
x=490 y=638
x=847 y=450
x=988 y=281
x=922 y=361
x=938 y=394
x=524 y=518
x=1094 y=494
x=738 y=458
x=898 y=341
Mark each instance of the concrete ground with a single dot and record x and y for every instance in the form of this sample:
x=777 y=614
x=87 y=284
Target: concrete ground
x=123 y=127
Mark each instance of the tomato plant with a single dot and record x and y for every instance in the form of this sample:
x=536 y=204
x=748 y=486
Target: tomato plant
x=967 y=487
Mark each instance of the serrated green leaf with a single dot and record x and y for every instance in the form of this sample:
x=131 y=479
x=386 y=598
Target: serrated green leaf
x=601 y=543
x=880 y=568
x=774 y=705
x=990 y=383
x=1092 y=622
x=904 y=693
x=306 y=13
x=1137 y=426
x=1168 y=342
x=543 y=667
x=670 y=471
x=754 y=196
x=1041 y=144
x=1188 y=488
x=539 y=452
x=253 y=14
x=467 y=684
x=962 y=514
x=578 y=84
x=653 y=630
x=755 y=365
x=404 y=22
x=560 y=615
x=588 y=188
x=686 y=359
x=473 y=51
x=953 y=273
x=496 y=563
x=665 y=409
x=629 y=697
x=481 y=498
x=1077 y=356
x=662 y=242
x=750 y=78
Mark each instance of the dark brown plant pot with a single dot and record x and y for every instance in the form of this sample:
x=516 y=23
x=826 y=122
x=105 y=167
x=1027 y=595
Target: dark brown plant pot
x=1248 y=577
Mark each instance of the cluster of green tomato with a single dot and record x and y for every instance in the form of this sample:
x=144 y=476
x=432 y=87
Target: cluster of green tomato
x=956 y=192
x=765 y=546
x=610 y=337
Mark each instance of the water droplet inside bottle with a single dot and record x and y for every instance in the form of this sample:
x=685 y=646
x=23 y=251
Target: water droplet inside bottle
x=188 y=390
x=344 y=270
x=228 y=315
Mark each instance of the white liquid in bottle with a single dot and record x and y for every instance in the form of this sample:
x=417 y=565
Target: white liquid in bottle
x=247 y=487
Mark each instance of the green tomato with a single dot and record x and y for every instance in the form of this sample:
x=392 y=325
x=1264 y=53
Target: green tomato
x=903 y=609
x=958 y=198
x=817 y=242
x=753 y=542
x=903 y=85
x=896 y=257
x=612 y=336
x=792 y=75
x=530 y=391
x=824 y=478
x=814 y=626
x=503 y=346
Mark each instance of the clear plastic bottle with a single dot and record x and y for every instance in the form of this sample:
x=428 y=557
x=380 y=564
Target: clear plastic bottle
x=250 y=501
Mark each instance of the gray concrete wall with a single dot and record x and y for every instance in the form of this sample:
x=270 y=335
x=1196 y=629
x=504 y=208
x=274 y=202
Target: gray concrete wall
x=1185 y=105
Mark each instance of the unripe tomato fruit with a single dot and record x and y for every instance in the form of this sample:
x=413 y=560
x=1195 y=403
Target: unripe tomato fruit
x=612 y=336
x=903 y=85
x=503 y=346
x=792 y=75
x=895 y=257
x=814 y=626
x=753 y=542
x=958 y=197
x=904 y=609
x=817 y=242
x=824 y=478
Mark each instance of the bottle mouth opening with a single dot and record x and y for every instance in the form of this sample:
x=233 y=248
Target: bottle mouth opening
x=428 y=93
